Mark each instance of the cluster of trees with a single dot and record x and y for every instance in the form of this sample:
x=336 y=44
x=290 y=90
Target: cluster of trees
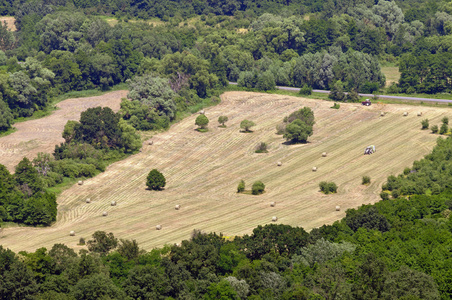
x=298 y=126
x=380 y=251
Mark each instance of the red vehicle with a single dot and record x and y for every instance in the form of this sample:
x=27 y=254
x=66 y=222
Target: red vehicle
x=367 y=102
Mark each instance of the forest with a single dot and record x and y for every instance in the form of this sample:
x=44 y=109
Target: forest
x=176 y=54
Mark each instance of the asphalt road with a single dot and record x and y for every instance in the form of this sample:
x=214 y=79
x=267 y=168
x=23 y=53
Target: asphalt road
x=367 y=95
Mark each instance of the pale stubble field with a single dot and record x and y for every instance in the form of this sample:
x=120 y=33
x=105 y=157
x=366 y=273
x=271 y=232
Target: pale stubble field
x=203 y=169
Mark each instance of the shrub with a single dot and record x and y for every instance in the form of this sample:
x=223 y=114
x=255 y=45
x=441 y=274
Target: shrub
x=222 y=120
x=328 y=187
x=366 y=180
x=155 y=180
x=202 y=121
x=395 y=194
x=443 y=129
x=81 y=242
x=261 y=148
x=258 y=188
x=336 y=106
x=393 y=88
x=352 y=96
x=241 y=186
x=280 y=129
x=384 y=196
x=305 y=90
x=434 y=128
x=246 y=125
x=445 y=120
x=425 y=124
x=406 y=171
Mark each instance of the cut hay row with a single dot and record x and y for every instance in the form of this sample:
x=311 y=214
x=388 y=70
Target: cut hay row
x=203 y=170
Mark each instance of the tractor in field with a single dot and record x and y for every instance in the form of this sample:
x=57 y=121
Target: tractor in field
x=369 y=150
x=367 y=102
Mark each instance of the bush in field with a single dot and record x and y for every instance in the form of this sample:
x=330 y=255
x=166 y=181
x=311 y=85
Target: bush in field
x=425 y=124
x=443 y=129
x=328 y=187
x=366 y=180
x=434 y=128
x=202 y=121
x=258 y=188
x=241 y=186
x=222 y=120
x=305 y=90
x=155 y=180
x=445 y=120
x=246 y=125
x=261 y=148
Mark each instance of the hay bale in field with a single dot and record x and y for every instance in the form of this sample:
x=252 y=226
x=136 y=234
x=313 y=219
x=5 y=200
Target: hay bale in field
x=158 y=227
x=338 y=208
x=382 y=114
x=419 y=114
x=105 y=214
x=274 y=219
x=72 y=233
x=324 y=154
x=177 y=207
x=314 y=169
x=151 y=143
x=113 y=203
x=279 y=164
x=80 y=182
x=405 y=114
x=272 y=204
x=88 y=200
x=202 y=112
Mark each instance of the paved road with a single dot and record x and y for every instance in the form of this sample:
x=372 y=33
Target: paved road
x=366 y=95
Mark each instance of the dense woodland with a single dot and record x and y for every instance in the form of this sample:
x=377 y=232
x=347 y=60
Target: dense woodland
x=398 y=248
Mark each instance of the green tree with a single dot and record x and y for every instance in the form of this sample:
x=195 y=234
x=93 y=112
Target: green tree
x=146 y=282
x=434 y=128
x=222 y=120
x=155 y=180
x=443 y=129
x=202 y=121
x=241 y=186
x=129 y=249
x=337 y=92
x=365 y=180
x=298 y=131
x=102 y=242
x=28 y=177
x=266 y=81
x=305 y=90
x=246 y=125
x=445 y=120
x=221 y=290
x=69 y=131
x=97 y=286
x=425 y=124
x=258 y=188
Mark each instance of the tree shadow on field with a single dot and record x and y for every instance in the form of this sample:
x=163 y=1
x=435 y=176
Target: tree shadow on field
x=288 y=143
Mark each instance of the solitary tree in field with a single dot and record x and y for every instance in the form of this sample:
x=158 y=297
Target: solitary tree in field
x=246 y=125
x=202 y=121
x=155 y=180
x=425 y=124
x=222 y=120
x=258 y=188
x=241 y=186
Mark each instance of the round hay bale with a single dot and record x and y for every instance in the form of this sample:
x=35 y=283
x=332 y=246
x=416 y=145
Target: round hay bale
x=80 y=182
x=419 y=114
x=151 y=143
x=72 y=233
x=274 y=219
x=88 y=200
x=279 y=164
x=314 y=169
x=113 y=203
x=405 y=114
x=158 y=227
x=105 y=214
x=338 y=208
x=177 y=207
x=324 y=154
x=272 y=204
x=382 y=114
x=202 y=112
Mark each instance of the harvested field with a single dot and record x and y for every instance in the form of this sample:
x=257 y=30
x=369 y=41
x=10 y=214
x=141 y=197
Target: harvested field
x=392 y=75
x=43 y=134
x=203 y=169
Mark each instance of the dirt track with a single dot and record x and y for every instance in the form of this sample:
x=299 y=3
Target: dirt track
x=43 y=134
x=203 y=170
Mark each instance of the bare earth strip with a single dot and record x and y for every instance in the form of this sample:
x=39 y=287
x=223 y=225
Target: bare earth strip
x=203 y=170
x=43 y=134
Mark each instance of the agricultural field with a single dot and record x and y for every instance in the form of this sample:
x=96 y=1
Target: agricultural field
x=41 y=135
x=392 y=75
x=203 y=169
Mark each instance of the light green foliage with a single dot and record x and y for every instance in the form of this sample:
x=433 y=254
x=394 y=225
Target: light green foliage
x=131 y=141
x=201 y=121
x=337 y=92
x=221 y=290
x=155 y=92
x=305 y=90
x=69 y=130
x=321 y=252
x=97 y=286
x=258 y=188
x=298 y=131
x=241 y=287
x=328 y=187
x=443 y=129
x=6 y=117
x=241 y=186
x=246 y=125
x=155 y=180
x=425 y=124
